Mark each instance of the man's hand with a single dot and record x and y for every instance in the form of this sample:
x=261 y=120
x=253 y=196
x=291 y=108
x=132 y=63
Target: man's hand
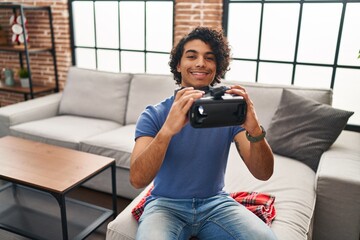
x=258 y=156
x=178 y=117
x=251 y=123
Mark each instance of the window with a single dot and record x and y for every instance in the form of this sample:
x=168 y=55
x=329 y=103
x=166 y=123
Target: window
x=304 y=43
x=126 y=36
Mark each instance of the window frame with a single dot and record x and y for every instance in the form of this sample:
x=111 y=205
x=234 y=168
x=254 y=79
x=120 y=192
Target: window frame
x=119 y=49
x=294 y=62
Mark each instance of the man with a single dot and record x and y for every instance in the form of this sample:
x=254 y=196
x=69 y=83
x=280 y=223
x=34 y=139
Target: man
x=186 y=164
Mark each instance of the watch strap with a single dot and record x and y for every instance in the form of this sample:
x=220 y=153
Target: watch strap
x=256 y=138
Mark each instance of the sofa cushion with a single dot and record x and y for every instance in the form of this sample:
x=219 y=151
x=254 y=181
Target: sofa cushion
x=95 y=94
x=294 y=192
x=293 y=186
x=303 y=129
x=266 y=97
x=147 y=89
x=117 y=144
x=66 y=131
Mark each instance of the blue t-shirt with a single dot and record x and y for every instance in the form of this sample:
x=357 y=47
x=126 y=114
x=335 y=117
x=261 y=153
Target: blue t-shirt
x=196 y=158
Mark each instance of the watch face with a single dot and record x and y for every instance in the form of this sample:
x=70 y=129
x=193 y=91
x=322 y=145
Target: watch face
x=17 y=29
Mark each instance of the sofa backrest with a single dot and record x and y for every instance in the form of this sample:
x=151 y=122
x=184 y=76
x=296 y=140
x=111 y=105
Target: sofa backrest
x=95 y=94
x=147 y=89
x=266 y=97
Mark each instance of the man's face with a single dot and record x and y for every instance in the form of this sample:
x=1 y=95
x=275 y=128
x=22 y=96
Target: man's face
x=197 y=64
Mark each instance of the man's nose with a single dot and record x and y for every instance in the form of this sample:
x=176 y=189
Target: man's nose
x=200 y=62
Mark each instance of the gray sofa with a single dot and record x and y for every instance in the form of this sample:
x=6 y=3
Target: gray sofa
x=97 y=112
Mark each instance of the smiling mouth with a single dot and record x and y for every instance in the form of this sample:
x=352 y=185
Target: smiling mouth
x=199 y=74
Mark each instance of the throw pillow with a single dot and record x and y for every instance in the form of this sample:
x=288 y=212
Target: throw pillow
x=303 y=129
x=95 y=94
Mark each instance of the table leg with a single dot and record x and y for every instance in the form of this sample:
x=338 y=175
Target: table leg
x=114 y=194
x=61 y=201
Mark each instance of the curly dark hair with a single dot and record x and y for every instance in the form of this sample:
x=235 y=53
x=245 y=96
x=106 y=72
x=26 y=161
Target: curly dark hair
x=218 y=43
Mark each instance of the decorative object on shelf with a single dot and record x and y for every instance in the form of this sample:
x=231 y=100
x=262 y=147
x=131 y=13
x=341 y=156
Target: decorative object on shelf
x=17 y=29
x=9 y=76
x=24 y=51
x=24 y=77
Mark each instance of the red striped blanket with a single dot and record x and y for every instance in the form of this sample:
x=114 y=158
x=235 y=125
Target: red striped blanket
x=261 y=204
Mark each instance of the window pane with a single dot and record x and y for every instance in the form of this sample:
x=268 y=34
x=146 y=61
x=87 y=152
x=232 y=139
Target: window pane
x=308 y=76
x=243 y=71
x=319 y=32
x=85 y=58
x=132 y=25
x=279 y=31
x=108 y=60
x=159 y=26
x=107 y=24
x=157 y=63
x=132 y=62
x=350 y=41
x=346 y=92
x=83 y=17
x=243 y=29
x=275 y=73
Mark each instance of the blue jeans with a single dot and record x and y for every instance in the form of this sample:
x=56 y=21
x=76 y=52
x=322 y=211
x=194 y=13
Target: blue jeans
x=219 y=217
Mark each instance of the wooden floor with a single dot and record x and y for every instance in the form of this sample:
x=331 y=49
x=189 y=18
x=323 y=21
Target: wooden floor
x=90 y=196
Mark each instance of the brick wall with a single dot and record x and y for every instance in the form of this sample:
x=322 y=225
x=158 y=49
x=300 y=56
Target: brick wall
x=188 y=14
x=193 y=13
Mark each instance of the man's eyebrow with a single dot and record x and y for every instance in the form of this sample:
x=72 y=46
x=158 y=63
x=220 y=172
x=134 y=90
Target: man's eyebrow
x=194 y=51
x=191 y=51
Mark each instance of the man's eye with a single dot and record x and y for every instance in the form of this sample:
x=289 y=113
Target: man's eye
x=190 y=56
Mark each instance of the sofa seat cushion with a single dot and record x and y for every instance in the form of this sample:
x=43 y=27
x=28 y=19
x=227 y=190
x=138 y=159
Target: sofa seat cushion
x=124 y=226
x=117 y=144
x=95 y=94
x=66 y=131
x=292 y=184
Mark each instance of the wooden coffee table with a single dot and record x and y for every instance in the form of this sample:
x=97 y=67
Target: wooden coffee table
x=38 y=177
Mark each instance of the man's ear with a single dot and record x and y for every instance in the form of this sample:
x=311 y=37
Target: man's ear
x=178 y=67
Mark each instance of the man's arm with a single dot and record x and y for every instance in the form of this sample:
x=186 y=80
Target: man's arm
x=148 y=153
x=257 y=156
x=147 y=157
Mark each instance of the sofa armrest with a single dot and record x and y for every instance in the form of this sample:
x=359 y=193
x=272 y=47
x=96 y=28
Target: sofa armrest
x=35 y=109
x=337 y=211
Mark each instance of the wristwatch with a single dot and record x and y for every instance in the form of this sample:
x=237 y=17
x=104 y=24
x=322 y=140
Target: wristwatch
x=256 y=138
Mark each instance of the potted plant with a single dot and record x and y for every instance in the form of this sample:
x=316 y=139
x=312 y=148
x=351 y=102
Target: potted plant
x=24 y=77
